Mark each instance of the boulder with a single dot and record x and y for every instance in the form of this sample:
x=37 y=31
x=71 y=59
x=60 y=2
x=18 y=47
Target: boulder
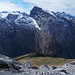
x=45 y=67
x=29 y=65
x=73 y=62
x=54 y=67
x=7 y=62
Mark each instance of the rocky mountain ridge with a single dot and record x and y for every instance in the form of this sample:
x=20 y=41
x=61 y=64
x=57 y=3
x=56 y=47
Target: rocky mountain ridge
x=57 y=34
x=17 y=33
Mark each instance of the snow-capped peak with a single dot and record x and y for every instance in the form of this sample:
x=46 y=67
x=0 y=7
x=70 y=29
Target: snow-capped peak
x=19 y=18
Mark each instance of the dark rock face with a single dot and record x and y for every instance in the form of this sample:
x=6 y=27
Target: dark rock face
x=17 y=34
x=57 y=33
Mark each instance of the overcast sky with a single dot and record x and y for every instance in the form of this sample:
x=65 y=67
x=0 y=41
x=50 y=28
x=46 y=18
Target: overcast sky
x=67 y=6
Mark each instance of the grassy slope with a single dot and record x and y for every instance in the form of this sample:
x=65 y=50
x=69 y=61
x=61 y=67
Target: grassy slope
x=38 y=61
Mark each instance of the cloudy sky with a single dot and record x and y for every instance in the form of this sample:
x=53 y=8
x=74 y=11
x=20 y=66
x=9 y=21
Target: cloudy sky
x=67 y=6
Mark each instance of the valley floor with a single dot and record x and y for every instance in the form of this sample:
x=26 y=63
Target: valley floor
x=38 y=61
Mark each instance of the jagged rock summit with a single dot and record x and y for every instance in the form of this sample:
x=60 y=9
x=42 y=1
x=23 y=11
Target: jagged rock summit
x=57 y=32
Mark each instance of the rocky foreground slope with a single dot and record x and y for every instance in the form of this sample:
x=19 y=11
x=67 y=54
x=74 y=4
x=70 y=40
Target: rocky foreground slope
x=9 y=66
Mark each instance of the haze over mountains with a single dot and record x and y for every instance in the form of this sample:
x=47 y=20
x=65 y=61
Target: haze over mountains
x=50 y=33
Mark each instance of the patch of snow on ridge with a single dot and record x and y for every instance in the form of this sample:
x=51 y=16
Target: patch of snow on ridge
x=19 y=17
x=36 y=24
x=33 y=22
x=3 y=15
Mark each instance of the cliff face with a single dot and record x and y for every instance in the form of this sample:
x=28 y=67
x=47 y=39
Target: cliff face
x=17 y=34
x=57 y=32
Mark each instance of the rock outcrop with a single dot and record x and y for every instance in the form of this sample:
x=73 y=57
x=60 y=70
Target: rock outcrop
x=7 y=62
x=57 y=33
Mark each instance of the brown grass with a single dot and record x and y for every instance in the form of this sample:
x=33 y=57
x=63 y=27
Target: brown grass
x=38 y=61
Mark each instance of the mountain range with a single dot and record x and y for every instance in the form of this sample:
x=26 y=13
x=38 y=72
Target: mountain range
x=42 y=31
